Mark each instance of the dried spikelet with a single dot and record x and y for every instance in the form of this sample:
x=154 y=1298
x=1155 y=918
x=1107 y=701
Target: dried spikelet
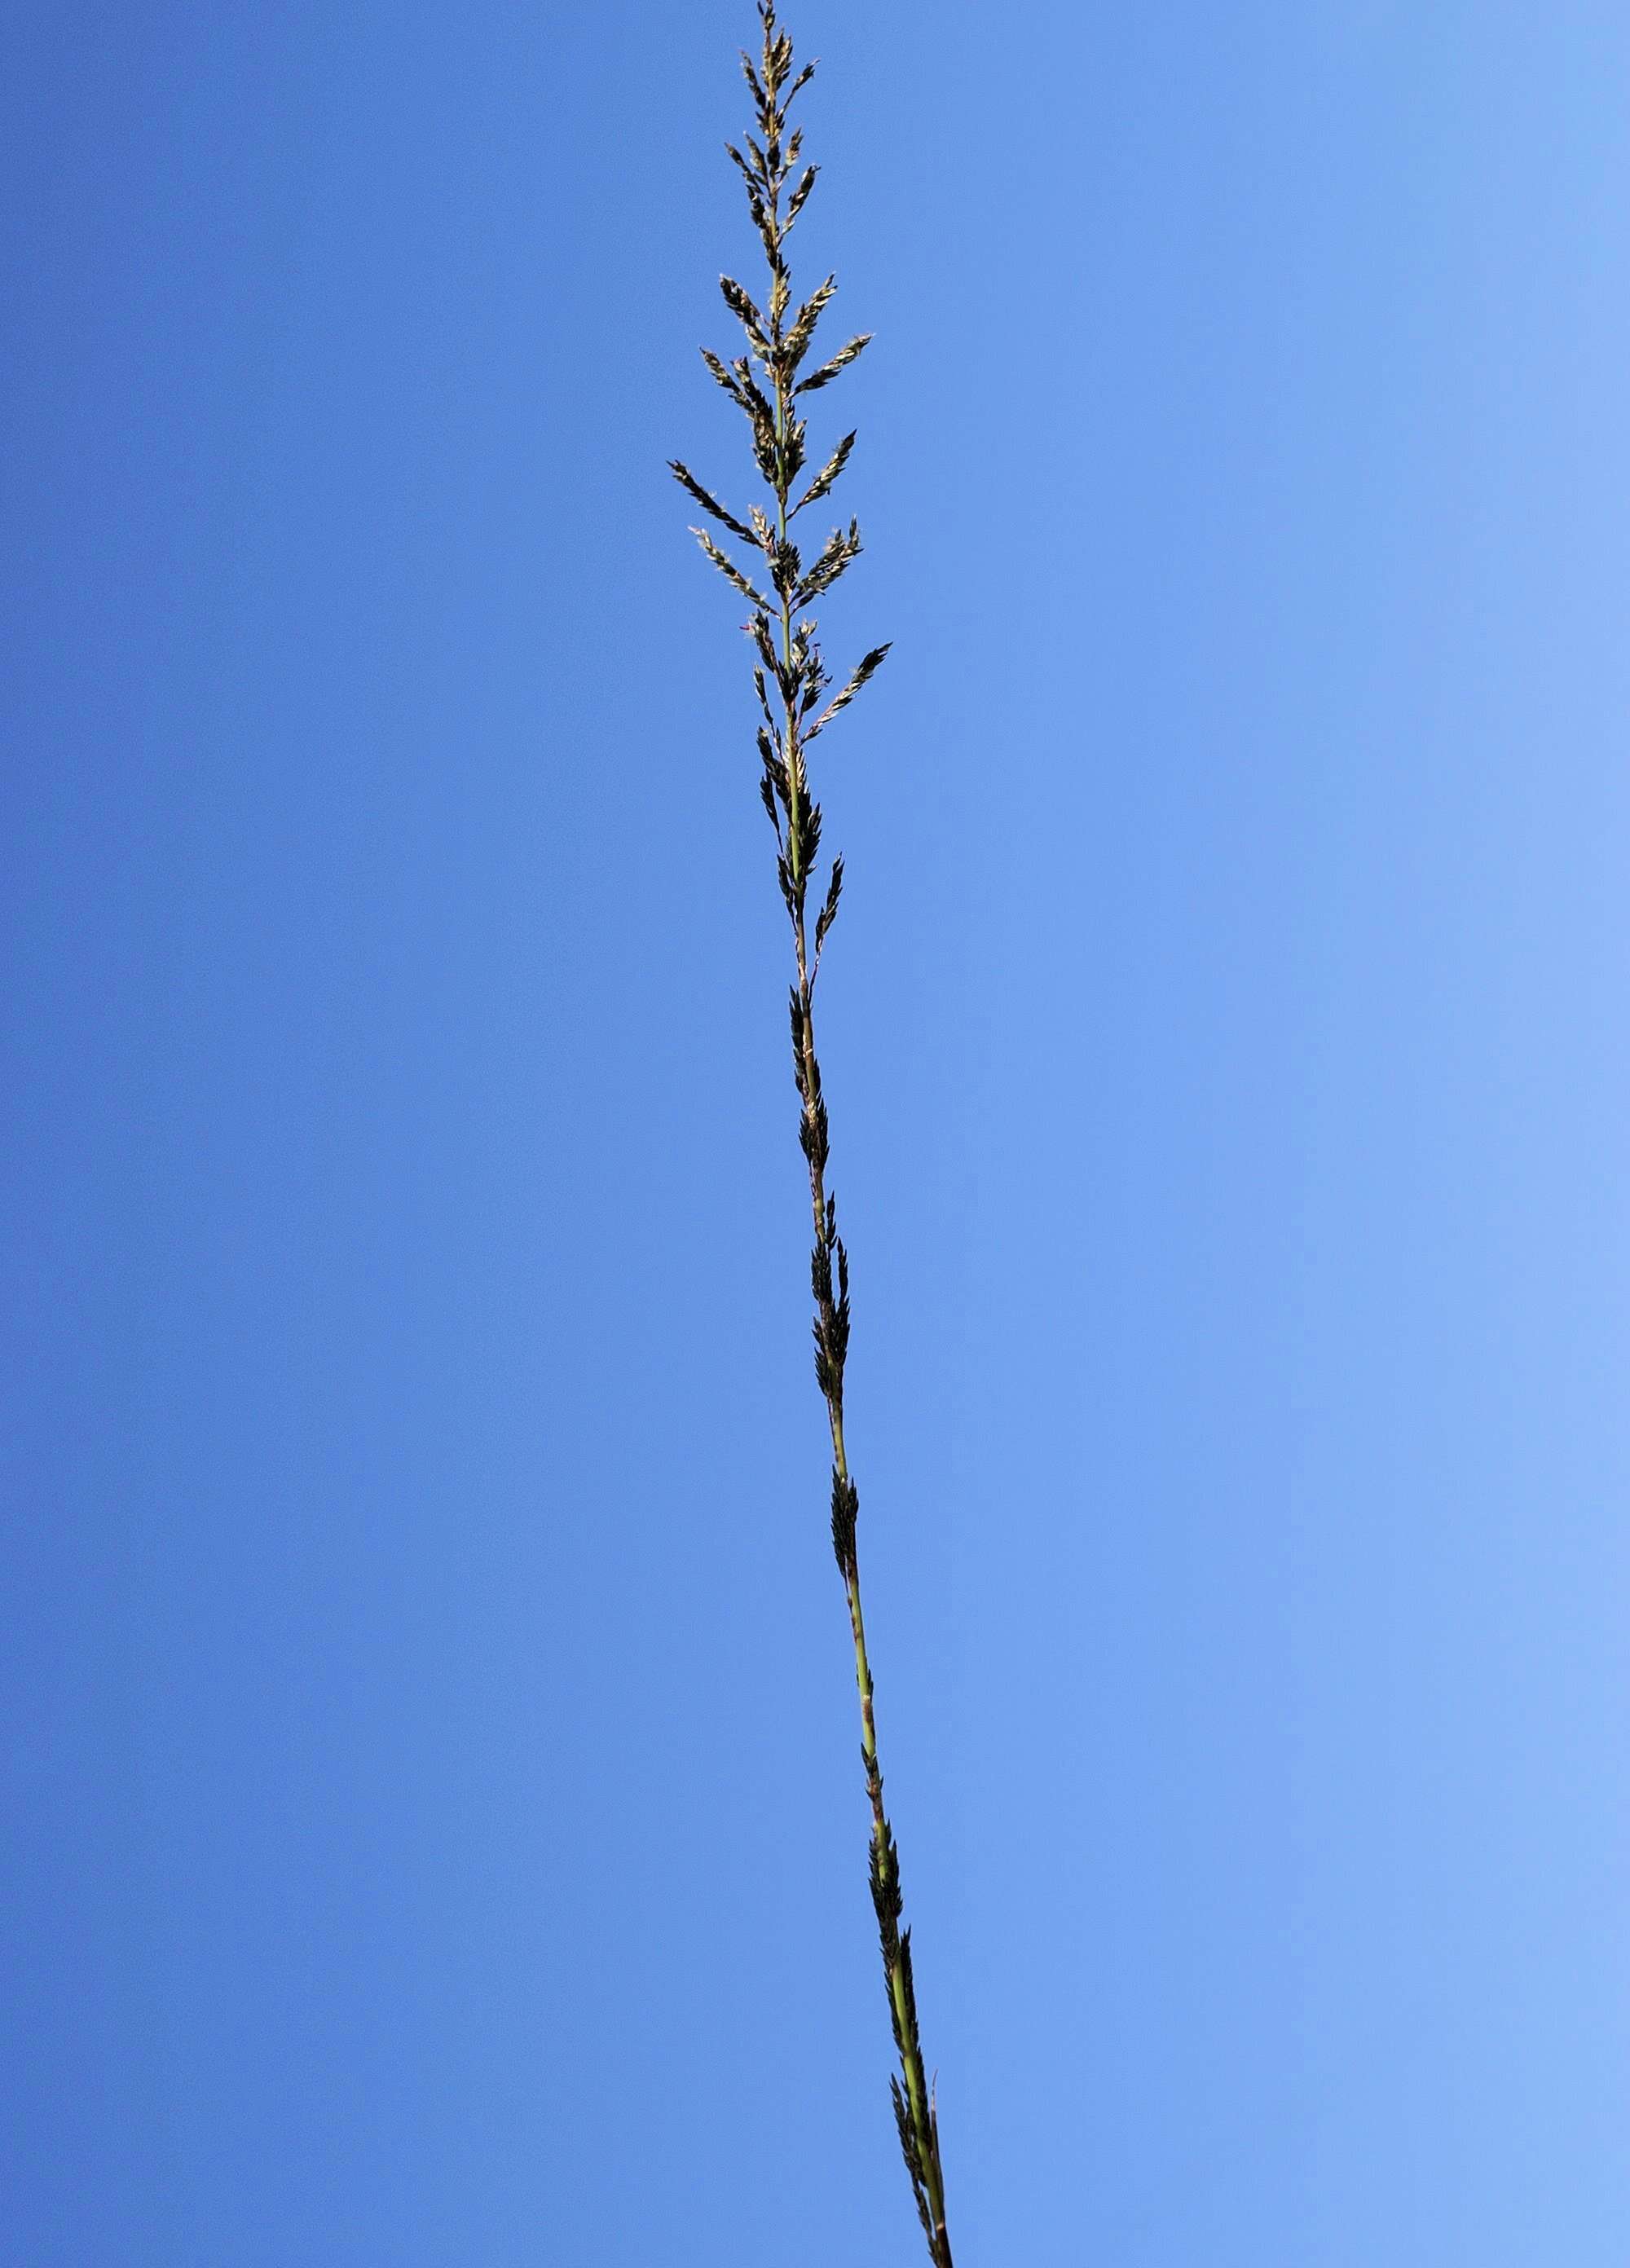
x=748 y=315
x=688 y=480
x=796 y=344
x=840 y=362
x=828 y=912
x=729 y=568
x=800 y=197
x=842 y=547
x=826 y=479
x=864 y=668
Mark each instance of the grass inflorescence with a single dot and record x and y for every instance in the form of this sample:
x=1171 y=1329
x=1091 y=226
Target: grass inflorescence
x=797 y=702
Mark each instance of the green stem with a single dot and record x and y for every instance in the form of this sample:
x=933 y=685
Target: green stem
x=918 y=2101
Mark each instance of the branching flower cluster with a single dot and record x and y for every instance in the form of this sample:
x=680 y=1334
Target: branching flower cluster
x=792 y=685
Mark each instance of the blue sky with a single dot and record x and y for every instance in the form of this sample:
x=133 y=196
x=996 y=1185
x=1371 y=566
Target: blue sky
x=439 y=1834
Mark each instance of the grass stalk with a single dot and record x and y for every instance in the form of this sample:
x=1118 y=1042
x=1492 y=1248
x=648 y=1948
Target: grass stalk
x=792 y=686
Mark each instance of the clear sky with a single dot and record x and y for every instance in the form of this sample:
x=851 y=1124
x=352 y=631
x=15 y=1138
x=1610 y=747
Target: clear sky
x=437 y=1838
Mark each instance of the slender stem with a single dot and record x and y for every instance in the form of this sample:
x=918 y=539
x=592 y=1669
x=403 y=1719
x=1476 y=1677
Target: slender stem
x=885 y=1860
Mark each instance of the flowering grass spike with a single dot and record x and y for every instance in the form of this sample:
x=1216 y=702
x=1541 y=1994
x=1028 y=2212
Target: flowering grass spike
x=792 y=685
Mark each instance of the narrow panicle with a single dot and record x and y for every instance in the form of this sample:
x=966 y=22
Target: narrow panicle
x=781 y=580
